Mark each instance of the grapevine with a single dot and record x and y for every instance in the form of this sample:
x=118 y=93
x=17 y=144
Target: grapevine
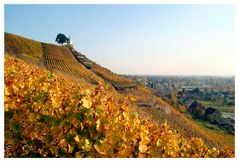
x=47 y=115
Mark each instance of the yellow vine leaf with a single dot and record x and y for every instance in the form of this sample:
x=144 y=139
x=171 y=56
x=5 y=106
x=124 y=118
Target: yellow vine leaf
x=70 y=148
x=78 y=154
x=32 y=117
x=126 y=115
x=159 y=143
x=87 y=145
x=6 y=91
x=98 y=125
x=86 y=103
x=63 y=143
x=98 y=150
x=143 y=148
x=145 y=141
x=15 y=88
x=77 y=138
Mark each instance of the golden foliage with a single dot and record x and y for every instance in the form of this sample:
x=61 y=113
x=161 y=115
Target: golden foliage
x=49 y=116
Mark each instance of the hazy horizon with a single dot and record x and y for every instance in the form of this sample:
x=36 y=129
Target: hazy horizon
x=187 y=40
x=179 y=75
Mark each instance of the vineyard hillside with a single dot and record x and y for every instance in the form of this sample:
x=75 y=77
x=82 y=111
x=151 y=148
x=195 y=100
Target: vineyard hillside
x=63 y=60
x=50 y=116
x=24 y=48
x=47 y=84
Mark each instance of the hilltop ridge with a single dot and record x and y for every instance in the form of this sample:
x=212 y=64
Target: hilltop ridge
x=64 y=60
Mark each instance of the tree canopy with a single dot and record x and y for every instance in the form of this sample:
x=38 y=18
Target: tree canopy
x=61 y=39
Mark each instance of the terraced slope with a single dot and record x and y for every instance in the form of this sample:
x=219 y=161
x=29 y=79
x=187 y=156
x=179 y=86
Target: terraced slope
x=62 y=60
x=59 y=59
x=23 y=48
x=118 y=81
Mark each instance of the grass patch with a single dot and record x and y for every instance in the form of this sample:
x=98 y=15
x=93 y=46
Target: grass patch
x=208 y=125
x=220 y=107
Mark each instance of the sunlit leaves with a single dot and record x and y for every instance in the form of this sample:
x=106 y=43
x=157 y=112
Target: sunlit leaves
x=48 y=116
x=99 y=150
x=77 y=138
x=33 y=117
x=87 y=145
x=98 y=125
x=86 y=103
x=143 y=148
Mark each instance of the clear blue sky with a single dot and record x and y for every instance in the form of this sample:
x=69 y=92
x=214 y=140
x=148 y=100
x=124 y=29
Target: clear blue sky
x=137 y=39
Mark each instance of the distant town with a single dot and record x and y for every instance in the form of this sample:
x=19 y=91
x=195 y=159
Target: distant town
x=194 y=95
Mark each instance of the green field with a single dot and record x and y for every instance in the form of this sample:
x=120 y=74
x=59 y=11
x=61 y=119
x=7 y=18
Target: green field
x=220 y=107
